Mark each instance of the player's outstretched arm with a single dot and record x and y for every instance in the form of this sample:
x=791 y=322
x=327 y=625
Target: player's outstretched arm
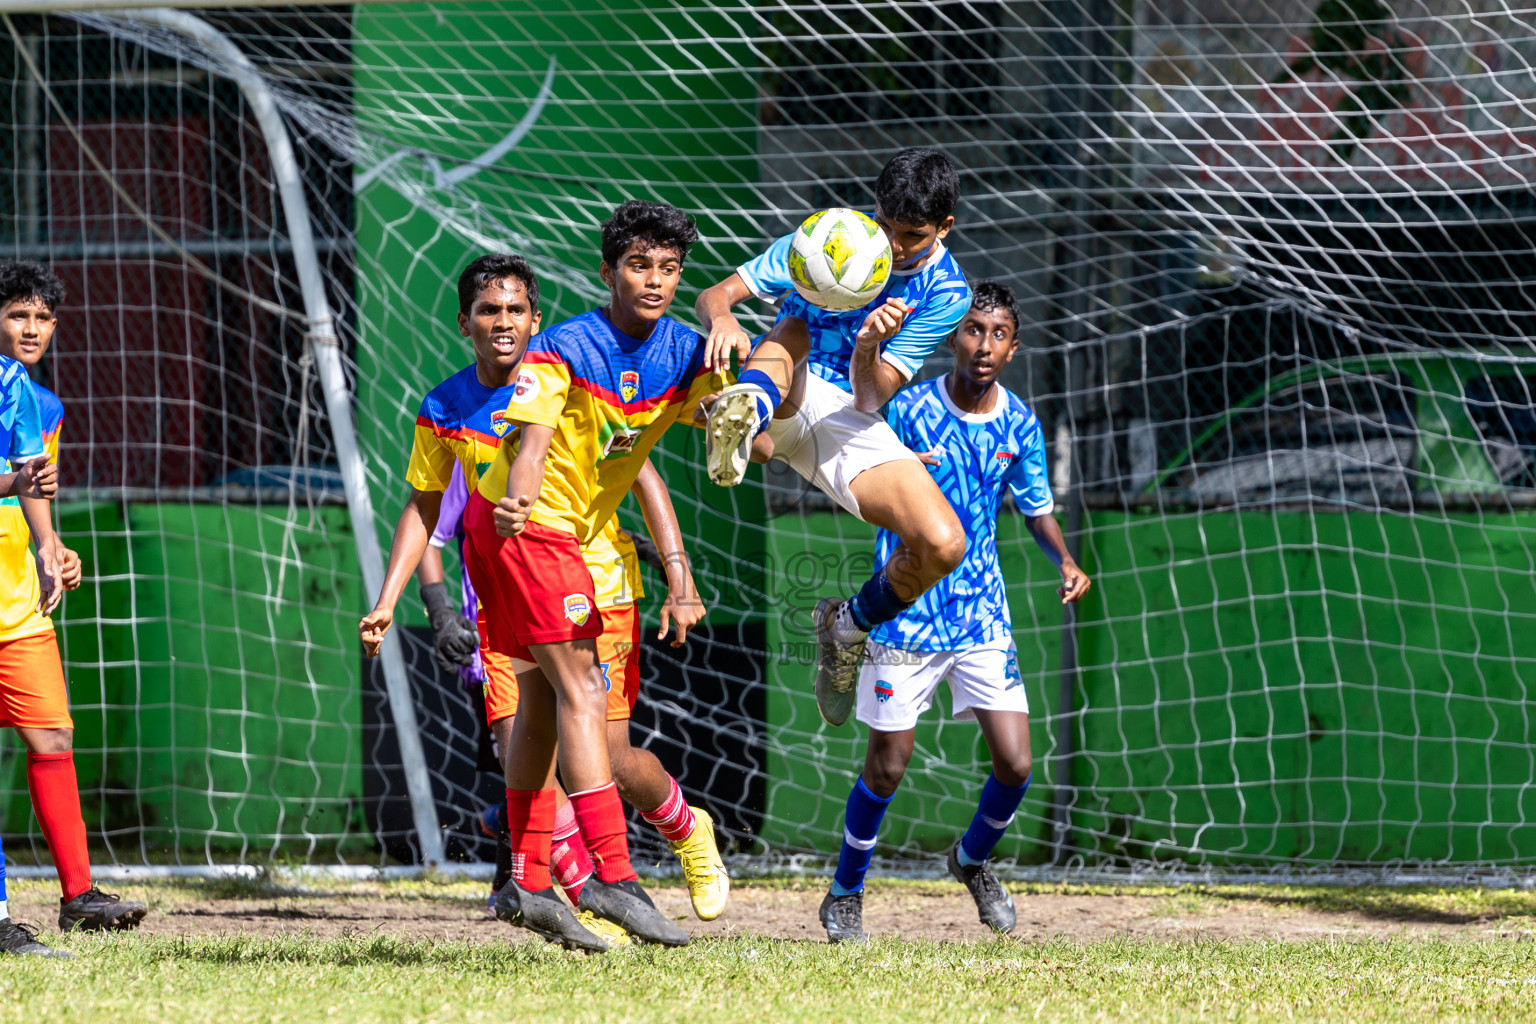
x=725 y=333
x=1047 y=534
x=417 y=521
x=683 y=606
x=524 y=480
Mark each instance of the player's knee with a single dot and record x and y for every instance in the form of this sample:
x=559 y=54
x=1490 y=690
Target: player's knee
x=49 y=741
x=884 y=774
x=1014 y=770
x=943 y=546
x=795 y=335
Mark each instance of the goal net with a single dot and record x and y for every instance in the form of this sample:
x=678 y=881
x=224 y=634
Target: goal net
x=1276 y=272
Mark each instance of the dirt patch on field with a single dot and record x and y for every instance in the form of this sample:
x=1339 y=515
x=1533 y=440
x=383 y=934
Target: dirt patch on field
x=930 y=910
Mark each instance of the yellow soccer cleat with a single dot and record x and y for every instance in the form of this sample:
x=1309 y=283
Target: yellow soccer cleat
x=604 y=929
x=708 y=884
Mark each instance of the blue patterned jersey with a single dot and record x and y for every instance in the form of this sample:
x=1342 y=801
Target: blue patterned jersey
x=980 y=453
x=936 y=291
x=21 y=416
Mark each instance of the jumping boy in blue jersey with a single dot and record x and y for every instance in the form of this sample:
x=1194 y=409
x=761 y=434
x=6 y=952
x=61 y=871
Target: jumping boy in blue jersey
x=976 y=439
x=814 y=386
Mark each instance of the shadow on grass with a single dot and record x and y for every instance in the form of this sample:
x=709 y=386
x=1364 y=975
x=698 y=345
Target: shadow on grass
x=1428 y=905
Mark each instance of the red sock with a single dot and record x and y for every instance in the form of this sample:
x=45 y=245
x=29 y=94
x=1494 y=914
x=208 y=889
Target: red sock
x=56 y=802
x=674 y=818
x=569 y=860
x=601 y=818
x=531 y=821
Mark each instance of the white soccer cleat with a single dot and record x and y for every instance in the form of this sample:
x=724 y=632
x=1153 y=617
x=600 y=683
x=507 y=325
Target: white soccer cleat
x=733 y=423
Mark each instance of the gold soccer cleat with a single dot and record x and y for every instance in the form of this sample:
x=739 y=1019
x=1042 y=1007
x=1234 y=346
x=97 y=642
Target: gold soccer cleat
x=708 y=884
x=733 y=423
x=604 y=929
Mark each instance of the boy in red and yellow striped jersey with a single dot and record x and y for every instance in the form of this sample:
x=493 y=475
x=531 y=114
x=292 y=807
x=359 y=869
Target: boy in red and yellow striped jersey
x=591 y=399
x=33 y=696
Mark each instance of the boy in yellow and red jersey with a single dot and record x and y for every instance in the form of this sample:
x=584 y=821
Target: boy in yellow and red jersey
x=460 y=426
x=591 y=399
x=33 y=696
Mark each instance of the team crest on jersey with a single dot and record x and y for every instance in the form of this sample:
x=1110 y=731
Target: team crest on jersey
x=1004 y=455
x=577 y=608
x=499 y=424
x=629 y=384
x=527 y=387
x=884 y=691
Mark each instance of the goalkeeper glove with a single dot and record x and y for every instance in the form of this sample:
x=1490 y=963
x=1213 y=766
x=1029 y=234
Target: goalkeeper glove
x=454 y=638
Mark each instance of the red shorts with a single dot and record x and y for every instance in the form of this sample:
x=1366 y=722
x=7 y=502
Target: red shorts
x=618 y=649
x=534 y=588
x=32 y=691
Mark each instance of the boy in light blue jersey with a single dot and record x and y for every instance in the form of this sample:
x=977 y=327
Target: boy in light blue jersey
x=813 y=388
x=977 y=440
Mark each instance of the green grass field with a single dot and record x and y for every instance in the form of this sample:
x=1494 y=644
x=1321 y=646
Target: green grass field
x=1475 y=975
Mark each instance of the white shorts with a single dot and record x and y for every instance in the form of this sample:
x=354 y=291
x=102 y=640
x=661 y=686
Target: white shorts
x=897 y=686
x=829 y=442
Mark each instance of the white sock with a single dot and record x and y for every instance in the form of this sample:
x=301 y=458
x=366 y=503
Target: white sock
x=844 y=629
x=5 y=911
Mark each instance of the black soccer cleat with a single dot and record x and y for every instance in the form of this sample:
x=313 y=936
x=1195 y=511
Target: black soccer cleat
x=544 y=914
x=21 y=939
x=843 y=917
x=97 y=911
x=993 y=904
x=628 y=906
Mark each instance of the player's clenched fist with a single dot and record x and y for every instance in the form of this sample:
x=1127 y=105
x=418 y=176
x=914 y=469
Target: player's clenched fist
x=372 y=628
x=1074 y=583
x=37 y=478
x=883 y=322
x=512 y=515
x=69 y=569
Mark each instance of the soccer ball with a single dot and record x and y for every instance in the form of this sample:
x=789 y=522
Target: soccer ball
x=839 y=259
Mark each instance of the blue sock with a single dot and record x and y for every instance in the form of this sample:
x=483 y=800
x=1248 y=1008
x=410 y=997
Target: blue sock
x=994 y=813
x=876 y=602
x=5 y=911
x=765 y=410
x=861 y=823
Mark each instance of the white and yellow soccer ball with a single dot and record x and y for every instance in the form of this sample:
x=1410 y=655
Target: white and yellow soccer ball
x=839 y=259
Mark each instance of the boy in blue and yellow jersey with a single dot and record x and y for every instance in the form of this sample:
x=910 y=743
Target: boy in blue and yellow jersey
x=814 y=385
x=593 y=396
x=33 y=697
x=978 y=441
x=459 y=429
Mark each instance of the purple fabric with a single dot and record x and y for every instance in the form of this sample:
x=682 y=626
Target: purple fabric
x=450 y=526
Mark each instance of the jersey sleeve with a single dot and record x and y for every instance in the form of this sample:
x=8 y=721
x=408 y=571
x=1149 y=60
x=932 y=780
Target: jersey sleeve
x=450 y=515
x=933 y=321
x=1028 y=479
x=23 y=419
x=768 y=275
x=432 y=459
x=543 y=383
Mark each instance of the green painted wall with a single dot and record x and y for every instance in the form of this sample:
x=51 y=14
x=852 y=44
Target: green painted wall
x=632 y=115
x=1378 y=664
x=214 y=678
x=1263 y=686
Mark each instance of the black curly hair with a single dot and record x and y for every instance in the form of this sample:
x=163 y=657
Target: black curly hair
x=496 y=266
x=651 y=225
x=918 y=186
x=21 y=280
x=989 y=295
